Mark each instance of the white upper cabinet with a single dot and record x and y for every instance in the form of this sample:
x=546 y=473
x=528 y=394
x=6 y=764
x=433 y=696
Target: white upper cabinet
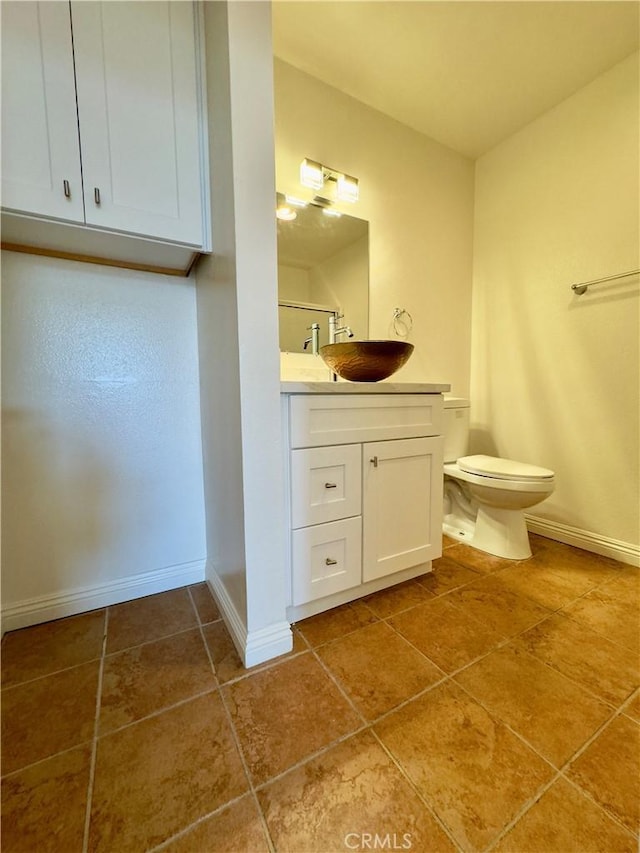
x=138 y=116
x=40 y=149
x=103 y=124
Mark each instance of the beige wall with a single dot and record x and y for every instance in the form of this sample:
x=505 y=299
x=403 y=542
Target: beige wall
x=555 y=376
x=101 y=451
x=418 y=198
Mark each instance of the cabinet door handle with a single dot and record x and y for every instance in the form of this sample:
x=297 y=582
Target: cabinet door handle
x=96 y=195
x=67 y=189
x=330 y=562
x=331 y=485
x=375 y=461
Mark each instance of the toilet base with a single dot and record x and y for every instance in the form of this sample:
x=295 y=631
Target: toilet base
x=502 y=532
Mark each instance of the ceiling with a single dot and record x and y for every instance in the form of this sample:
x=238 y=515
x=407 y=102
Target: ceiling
x=467 y=73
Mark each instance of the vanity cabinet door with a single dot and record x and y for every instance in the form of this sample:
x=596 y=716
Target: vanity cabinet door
x=402 y=504
x=139 y=118
x=40 y=147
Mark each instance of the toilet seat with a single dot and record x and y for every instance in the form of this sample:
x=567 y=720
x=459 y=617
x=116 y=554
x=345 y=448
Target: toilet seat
x=504 y=469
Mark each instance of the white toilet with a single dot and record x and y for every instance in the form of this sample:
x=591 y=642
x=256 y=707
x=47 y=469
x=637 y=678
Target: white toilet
x=484 y=496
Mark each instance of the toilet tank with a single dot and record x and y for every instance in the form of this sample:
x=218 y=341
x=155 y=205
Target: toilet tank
x=456 y=428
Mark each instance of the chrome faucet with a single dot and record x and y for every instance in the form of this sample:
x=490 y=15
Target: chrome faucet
x=314 y=340
x=334 y=332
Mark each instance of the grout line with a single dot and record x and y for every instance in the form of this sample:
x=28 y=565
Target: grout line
x=602 y=808
x=80 y=745
x=238 y=745
x=195 y=609
x=247 y=773
x=311 y=757
x=8 y=687
x=341 y=689
x=164 y=844
x=423 y=799
x=158 y=639
x=94 y=746
x=529 y=804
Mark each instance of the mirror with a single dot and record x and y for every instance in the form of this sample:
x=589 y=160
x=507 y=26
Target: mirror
x=323 y=268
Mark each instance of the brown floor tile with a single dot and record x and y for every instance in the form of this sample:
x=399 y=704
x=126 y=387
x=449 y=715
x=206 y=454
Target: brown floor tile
x=535 y=701
x=490 y=601
x=606 y=614
x=606 y=669
x=205 y=603
x=445 y=633
x=147 y=678
x=378 y=669
x=396 y=598
x=624 y=585
x=477 y=560
x=573 y=563
x=609 y=770
x=633 y=708
x=448 y=541
x=335 y=623
x=43 y=649
x=157 y=776
x=149 y=618
x=235 y=829
x=226 y=659
x=285 y=713
x=48 y=715
x=43 y=807
x=447 y=575
x=565 y=821
x=476 y=774
x=539 y=582
x=353 y=788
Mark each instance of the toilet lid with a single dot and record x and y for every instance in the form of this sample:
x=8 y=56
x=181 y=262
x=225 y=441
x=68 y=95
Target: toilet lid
x=503 y=469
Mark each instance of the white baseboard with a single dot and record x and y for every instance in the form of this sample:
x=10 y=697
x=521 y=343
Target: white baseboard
x=254 y=647
x=81 y=599
x=625 y=552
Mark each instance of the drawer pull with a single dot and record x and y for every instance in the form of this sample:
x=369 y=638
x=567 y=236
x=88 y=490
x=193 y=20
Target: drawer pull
x=67 y=189
x=330 y=562
x=96 y=195
x=331 y=485
x=375 y=461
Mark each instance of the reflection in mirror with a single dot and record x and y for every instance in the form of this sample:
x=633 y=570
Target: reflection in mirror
x=296 y=318
x=323 y=268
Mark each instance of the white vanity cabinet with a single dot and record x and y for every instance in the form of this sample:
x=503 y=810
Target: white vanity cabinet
x=102 y=122
x=364 y=473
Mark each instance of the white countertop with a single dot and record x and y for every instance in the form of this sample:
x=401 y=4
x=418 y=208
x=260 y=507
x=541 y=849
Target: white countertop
x=364 y=387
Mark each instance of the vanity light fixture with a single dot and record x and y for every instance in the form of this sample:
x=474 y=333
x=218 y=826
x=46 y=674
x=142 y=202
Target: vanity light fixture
x=311 y=174
x=315 y=175
x=347 y=188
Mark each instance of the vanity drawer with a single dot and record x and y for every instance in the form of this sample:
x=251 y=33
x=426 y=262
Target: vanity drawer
x=325 y=419
x=326 y=558
x=326 y=484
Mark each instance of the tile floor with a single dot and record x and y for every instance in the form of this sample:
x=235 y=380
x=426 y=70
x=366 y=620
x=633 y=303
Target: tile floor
x=490 y=705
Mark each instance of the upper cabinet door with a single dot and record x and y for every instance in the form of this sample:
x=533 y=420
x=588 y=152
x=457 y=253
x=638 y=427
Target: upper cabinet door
x=40 y=151
x=139 y=117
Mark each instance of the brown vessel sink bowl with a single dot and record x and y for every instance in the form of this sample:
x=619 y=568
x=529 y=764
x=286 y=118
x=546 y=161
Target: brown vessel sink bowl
x=366 y=361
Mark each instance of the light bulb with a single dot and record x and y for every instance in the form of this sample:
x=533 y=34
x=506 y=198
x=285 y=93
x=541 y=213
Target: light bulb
x=347 y=188
x=311 y=174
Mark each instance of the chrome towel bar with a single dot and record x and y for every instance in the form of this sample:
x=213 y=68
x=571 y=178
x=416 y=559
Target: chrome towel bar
x=581 y=287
